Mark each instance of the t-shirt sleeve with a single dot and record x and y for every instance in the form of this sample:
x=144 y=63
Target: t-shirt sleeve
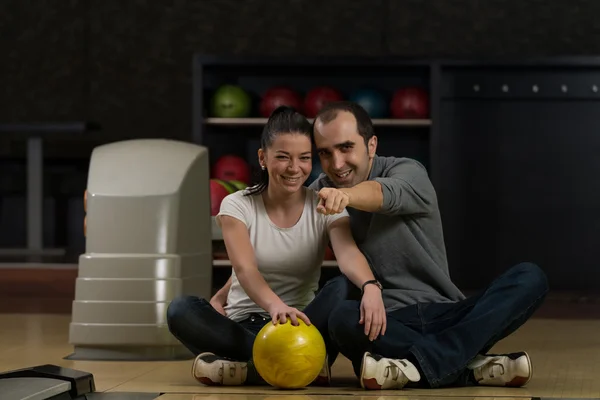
x=237 y=206
x=329 y=219
x=406 y=189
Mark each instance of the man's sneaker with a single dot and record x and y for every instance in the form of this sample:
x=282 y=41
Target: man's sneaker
x=512 y=370
x=378 y=373
x=212 y=370
x=324 y=378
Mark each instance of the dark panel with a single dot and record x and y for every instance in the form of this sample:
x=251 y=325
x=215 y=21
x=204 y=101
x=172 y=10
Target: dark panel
x=398 y=141
x=450 y=183
x=341 y=27
x=532 y=192
x=493 y=28
x=43 y=70
x=544 y=83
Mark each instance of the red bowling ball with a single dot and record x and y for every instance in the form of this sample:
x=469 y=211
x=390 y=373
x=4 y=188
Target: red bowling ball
x=218 y=192
x=317 y=97
x=410 y=103
x=232 y=168
x=277 y=97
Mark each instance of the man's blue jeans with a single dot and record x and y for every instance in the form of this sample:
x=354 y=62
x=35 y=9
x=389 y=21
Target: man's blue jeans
x=442 y=338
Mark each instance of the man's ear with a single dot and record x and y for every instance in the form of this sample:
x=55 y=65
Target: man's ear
x=372 y=146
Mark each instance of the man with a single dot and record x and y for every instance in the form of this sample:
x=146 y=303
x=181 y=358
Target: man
x=435 y=337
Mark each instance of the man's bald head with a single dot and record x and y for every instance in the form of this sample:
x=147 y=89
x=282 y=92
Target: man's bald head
x=360 y=117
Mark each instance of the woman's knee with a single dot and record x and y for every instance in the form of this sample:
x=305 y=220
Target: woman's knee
x=179 y=308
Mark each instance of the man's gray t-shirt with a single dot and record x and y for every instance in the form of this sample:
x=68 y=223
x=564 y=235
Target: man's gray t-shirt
x=403 y=242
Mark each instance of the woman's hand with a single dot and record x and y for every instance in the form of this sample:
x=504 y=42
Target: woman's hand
x=219 y=300
x=280 y=312
x=218 y=304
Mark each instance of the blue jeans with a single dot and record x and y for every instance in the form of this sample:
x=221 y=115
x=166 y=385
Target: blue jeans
x=442 y=338
x=199 y=327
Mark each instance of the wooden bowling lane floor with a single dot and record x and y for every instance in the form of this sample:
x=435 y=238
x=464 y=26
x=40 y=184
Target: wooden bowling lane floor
x=386 y=396
x=565 y=355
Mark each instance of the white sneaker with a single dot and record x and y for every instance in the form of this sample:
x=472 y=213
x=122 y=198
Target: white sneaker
x=213 y=370
x=378 y=373
x=512 y=370
x=324 y=378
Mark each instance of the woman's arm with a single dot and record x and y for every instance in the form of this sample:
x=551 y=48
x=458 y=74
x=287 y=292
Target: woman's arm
x=243 y=261
x=350 y=259
x=354 y=265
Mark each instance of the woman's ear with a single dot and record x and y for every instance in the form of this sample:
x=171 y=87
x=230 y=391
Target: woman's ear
x=261 y=159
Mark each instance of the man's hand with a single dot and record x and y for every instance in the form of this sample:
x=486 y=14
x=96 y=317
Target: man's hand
x=372 y=312
x=218 y=304
x=332 y=201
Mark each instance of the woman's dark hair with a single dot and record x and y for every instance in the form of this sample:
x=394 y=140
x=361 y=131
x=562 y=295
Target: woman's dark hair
x=282 y=120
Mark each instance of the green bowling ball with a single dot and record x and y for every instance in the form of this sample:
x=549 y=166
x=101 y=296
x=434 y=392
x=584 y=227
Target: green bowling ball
x=231 y=101
x=238 y=185
x=227 y=185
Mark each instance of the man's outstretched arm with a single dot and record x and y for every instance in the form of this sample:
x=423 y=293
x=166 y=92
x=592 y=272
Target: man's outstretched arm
x=406 y=189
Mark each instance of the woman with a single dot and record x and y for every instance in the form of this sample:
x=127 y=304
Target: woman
x=276 y=240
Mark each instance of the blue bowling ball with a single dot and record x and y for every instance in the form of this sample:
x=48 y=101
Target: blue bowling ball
x=372 y=101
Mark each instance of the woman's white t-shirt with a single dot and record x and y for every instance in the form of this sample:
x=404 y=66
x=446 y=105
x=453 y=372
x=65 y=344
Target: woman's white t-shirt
x=289 y=259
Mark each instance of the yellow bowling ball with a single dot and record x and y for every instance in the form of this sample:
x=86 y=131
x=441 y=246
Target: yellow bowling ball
x=288 y=356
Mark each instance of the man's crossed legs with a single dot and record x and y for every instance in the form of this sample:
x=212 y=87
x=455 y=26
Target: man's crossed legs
x=445 y=344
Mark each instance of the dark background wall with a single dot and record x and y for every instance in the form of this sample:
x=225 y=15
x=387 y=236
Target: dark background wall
x=127 y=65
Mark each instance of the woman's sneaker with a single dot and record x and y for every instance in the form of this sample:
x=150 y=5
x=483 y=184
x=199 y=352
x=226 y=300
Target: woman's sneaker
x=213 y=370
x=324 y=378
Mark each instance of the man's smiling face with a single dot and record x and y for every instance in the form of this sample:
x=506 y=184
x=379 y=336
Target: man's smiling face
x=345 y=157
